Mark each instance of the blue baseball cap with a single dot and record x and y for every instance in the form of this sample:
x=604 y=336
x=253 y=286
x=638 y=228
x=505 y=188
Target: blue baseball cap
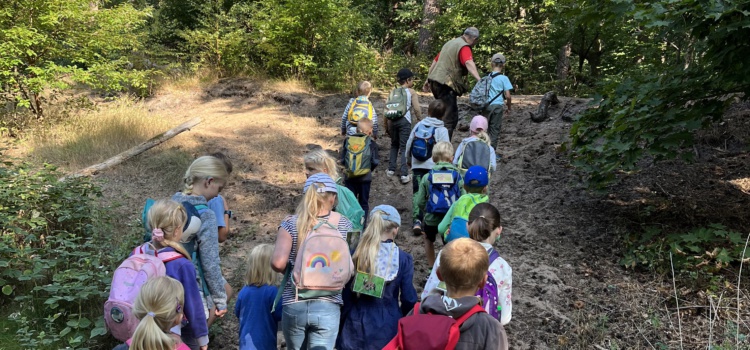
x=476 y=176
x=328 y=185
x=391 y=214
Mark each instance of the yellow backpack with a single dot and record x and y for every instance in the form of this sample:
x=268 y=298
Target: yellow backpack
x=360 y=108
x=358 y=160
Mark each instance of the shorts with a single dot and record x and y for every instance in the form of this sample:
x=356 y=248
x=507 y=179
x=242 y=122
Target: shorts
x=431 y=232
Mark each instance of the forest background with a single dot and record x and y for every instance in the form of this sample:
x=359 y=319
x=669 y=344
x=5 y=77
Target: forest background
x=656 y=71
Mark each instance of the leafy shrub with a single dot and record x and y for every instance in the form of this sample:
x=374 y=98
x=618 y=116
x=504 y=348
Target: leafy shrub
x=57 y=251
x=707 y=249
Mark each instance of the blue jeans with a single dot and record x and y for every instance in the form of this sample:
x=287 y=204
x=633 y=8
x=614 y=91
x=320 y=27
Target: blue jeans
x=311 y=324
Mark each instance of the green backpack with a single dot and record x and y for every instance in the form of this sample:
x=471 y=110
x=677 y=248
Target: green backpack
x=358 y=159
x=396 y=106
x=348 y=206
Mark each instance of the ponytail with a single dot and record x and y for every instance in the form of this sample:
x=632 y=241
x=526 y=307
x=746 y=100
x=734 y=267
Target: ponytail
x=307 y=211
x=482 y=135
x=483 y=219
x=159 y=306
x=367 y=250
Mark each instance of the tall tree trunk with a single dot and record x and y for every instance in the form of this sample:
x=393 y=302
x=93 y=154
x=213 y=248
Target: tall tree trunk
x=429 y=13
x=563 y=62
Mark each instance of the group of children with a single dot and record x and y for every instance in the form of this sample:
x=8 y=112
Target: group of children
x=373 y=304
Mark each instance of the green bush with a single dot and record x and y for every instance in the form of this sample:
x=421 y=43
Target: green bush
x=57 y=251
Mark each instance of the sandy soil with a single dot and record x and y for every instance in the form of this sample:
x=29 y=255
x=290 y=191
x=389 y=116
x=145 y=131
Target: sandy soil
x=568 y=289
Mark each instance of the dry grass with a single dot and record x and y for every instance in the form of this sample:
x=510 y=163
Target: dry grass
x=187 y=83
x=92 y=137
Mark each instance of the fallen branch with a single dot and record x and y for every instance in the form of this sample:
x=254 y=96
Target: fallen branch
x=541 y=113
x=145 y=146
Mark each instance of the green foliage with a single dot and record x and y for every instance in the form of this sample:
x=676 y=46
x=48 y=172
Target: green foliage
x=700 y=251
x=55 y=269
x=652 y=111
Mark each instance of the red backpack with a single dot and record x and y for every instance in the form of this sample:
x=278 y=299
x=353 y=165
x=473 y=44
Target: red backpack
x=429 y=331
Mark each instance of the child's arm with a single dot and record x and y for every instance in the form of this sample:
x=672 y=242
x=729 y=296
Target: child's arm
x=456 y=156
x=408 y=293
x=344 y=117
x=493 y=159
x=505 y=295
x=193 y=303
x=433 y=280
x=416 y=107
x=419 y=201
x=407 y=151
x=208 y=248
x=375 y=156
x=446 y=223
x=276 y=313
x=342 y=158
x=219 y=205
x=375 y=124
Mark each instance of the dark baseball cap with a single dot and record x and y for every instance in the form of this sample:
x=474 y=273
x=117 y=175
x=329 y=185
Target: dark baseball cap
x=404 y=73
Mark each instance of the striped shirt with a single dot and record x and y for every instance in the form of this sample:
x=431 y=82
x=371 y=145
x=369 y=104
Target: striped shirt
x=290 y=225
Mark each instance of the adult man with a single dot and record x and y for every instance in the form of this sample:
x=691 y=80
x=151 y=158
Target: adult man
x=446 y=77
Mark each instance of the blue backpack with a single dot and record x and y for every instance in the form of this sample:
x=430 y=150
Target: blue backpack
x=424 y=140
x=444 y=190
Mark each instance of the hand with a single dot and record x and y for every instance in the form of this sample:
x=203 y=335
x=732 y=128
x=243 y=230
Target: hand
x=204 y=347
x=220 y=313
x=426 y=87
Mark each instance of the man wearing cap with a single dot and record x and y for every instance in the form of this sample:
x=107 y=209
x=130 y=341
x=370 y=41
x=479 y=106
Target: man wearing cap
x=399 y=129
x=446 y=77
x=500 y=88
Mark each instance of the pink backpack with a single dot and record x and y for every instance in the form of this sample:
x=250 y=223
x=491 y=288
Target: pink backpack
x=323 y=264
x=128 y=278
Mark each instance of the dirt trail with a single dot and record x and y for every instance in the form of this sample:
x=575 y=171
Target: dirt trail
x=568 y=291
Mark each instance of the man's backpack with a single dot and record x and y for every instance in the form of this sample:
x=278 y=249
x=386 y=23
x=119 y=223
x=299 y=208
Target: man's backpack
x=348 y=206
x=479 y=98
x=443 y=190
x=323 y=265
x=429 y=331
x=360 y=108
x=489 y=292
x=475 y=152
x=127 y=280
x=424 y=141
x=358 y=158
x=397 y=104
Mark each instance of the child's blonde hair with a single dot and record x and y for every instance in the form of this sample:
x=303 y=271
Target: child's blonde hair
x=364 y=126
x=463 y=264
x=259 y=270
x=482 y=135
x=224 y=159
x=319 y=161
x=364 y=88
x=167 y=215
x=442 y=152
x=158 y=305
x=308 y=209
x=369 y=244
x=483 y=219
x=203 y=168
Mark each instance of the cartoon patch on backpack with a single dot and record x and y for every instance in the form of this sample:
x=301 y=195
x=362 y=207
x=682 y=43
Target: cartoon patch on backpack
x=361 y=108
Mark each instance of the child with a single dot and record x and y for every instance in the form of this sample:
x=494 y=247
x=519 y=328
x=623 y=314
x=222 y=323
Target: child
x=368 y=321
x=258 y=326
x=398 y=129
x=166 y=218
x=476 y=149
x=159 y=306
x=360 y=156
x=204 y=179
x=219 y=204
x=359 y=108
x=455 y=220
x=450 y=191
x=484 y=227
x=500 y=91
x=463 y=267
x=432 y=129
x=319 y=161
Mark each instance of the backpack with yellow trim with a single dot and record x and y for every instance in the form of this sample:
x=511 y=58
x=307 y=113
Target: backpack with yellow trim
x=358 y=158
x=360 y=108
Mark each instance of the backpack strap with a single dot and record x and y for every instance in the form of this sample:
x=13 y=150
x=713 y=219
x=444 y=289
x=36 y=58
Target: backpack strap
x=493 y=255
x=492 y=77
x=455 y=331
x=169 y=256
x=280 y=290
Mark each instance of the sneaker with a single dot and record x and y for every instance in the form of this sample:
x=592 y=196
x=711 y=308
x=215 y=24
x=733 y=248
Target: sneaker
x=405 y=179
x=417 y=228
x=390 y=173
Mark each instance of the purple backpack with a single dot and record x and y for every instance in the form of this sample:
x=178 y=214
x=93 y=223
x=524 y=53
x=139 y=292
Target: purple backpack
x=128 y=278
x=489 y=292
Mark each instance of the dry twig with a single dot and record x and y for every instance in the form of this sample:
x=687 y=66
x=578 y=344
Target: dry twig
x=676 y=300
x=739 y=279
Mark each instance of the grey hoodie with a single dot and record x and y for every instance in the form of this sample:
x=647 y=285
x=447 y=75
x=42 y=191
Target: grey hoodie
x=441 y=134
x=480 y=331
x=208 y=248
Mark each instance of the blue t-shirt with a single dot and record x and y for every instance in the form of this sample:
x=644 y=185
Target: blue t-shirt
x=258 y=326
x=499 y=83
x=217 y=205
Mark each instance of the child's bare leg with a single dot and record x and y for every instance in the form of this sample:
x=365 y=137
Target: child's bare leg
x=429 y=250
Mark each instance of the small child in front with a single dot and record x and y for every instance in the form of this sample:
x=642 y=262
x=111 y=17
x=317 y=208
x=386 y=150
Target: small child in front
x=258 y=326
x=476 y=149
x=442 y=186
x=455 y=222
x=359 y=108
x=360 y=157
x=463 y=268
